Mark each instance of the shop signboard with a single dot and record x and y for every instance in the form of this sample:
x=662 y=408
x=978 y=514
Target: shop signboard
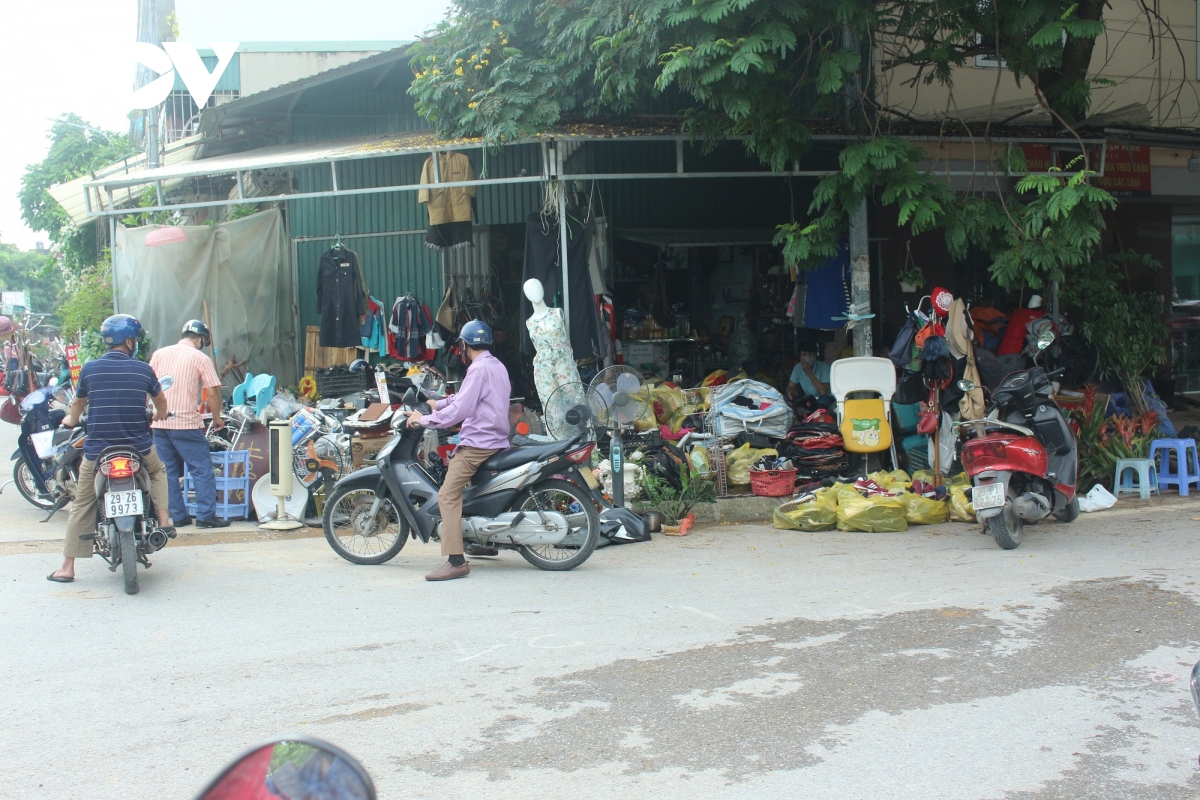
x=1126 y=166
x=648 y=356
x=13 y=299
x=73 y=362
x=1126 y=170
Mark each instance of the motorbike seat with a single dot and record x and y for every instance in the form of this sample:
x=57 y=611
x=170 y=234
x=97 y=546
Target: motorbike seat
x=523 y=454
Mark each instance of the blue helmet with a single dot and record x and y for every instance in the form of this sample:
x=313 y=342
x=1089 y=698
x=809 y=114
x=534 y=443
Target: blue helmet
x=475 y=332
x=118 y=329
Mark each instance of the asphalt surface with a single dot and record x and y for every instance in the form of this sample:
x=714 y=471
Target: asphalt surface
x=738 y=662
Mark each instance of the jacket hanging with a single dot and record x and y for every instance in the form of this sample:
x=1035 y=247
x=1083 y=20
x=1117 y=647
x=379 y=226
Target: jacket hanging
x=340 y=298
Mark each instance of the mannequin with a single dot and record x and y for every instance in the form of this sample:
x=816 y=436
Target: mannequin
x=554 y=361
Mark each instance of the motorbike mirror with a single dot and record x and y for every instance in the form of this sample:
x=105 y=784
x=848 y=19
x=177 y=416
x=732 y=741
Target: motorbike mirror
x=966 y=386
x=292 y=768
x=166 y=382
x=1196 y=686
x=1045 y=339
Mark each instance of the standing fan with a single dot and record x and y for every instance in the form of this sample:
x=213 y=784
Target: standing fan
x=568 y=413
x=613 y=398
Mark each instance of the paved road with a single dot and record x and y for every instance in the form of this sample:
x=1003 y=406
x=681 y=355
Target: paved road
x=739 y=662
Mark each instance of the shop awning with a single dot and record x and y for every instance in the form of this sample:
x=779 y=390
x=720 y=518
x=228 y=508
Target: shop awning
x=695 y=238
x=74 y=196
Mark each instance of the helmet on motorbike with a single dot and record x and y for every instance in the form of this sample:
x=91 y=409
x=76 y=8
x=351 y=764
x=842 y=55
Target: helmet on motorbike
x=6 y=326
x=475 y=333
x=197 y=328
x=118 y=329
x=358 y=365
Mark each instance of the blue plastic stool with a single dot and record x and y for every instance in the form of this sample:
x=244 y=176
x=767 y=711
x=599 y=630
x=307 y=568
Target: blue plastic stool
x=1147 y=477
x=1187 y=463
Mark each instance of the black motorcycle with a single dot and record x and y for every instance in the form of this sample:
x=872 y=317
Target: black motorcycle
x=527 y=499
x=46 y=461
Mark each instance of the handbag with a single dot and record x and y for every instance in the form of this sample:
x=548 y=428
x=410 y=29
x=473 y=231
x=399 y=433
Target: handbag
x=901 y=352
x=927 y=417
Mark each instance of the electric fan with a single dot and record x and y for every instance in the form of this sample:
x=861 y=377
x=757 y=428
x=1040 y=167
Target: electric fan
x=567 y=413
x=615 y=401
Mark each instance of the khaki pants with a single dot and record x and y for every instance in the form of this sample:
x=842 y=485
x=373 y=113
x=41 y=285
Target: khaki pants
x=450 y=497
x=83 y=508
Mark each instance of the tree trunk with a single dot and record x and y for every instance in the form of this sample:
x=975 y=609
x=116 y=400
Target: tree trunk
x=1057 y=83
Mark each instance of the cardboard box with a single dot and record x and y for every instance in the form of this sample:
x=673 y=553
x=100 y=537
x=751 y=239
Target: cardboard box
x=362 y=451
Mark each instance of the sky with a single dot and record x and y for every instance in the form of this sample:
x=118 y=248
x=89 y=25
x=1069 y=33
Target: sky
x=73 y=56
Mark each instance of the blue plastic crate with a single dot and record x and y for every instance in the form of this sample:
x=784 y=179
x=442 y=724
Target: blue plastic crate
x=233 y=476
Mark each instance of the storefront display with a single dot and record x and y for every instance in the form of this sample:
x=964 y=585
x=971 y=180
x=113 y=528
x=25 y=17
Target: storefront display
x=553 y=365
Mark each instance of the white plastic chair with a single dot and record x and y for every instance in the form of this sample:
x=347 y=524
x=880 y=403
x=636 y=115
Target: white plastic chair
x=864 y=374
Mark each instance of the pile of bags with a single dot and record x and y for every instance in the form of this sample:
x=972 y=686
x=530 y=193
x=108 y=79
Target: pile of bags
x=882 y=503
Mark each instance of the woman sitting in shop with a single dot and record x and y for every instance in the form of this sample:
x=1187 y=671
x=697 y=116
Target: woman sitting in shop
x=808 y=386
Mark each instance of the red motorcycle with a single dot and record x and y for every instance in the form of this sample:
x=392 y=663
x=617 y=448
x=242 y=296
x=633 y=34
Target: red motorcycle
x=1022 y=457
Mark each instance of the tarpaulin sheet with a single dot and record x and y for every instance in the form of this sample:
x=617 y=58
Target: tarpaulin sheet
x=239 y=267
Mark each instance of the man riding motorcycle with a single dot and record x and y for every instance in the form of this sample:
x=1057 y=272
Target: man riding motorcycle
x=113 y=388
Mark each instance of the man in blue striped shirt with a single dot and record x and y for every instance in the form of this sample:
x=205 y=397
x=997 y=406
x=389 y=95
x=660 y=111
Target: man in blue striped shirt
x=114 y=389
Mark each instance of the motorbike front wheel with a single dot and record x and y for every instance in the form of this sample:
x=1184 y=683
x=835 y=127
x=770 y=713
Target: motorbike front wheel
x=27 y=486
x=1006 y=528
x=129 y=562
x=580 y=510
x=355 y=535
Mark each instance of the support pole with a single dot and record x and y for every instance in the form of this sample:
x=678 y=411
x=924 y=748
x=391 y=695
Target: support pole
x=860 y=279
x=112 y=258
x=562 y=244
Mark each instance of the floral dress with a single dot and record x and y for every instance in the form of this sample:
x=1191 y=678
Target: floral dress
x=553 y=364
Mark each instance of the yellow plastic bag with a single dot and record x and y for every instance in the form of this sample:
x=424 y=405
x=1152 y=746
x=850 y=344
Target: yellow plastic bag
x=738 y=461
x=698 y=460
x=961 y=509
x=844 y=491
x=920 y=510
x=896 y=479
x=670 y=399
x=713 y=377
x=819 y=514
x=960 y=479
x=923 y=475
x=880 y=514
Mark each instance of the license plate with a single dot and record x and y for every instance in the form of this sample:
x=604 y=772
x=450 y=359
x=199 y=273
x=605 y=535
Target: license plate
x=123 y=504
x=589 y=478
x=988 y=495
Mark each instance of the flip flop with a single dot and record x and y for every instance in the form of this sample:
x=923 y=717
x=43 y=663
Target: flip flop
x=59 y=579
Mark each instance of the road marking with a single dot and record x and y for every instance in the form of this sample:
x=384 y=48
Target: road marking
x=702 y=613
x=480 y=653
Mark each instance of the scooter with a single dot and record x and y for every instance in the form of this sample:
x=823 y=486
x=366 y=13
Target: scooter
x=516 y=501
x=292 y=769
x=1022 y=457
x=46 y=461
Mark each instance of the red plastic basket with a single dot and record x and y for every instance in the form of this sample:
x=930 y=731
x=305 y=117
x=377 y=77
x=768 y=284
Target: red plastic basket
x=772 y=482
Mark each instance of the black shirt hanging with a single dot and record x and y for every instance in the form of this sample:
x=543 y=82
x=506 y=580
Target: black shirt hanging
x=340 y=298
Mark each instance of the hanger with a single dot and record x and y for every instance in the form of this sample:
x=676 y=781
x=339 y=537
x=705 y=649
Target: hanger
x=337 y=242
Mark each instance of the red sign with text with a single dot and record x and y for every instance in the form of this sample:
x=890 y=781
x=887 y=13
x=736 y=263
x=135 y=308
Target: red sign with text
x=73 y=362
x=1126 y=170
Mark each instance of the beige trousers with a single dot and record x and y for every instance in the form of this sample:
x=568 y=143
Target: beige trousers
x=83 y=508
x=450 y=497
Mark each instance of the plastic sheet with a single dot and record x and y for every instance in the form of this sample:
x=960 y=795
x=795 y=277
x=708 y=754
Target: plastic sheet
x=920 y=510
x=240 y=268
x=879 y=514
x=896 y=479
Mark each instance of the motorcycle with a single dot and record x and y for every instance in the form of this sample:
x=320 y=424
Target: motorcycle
x=1194 y=683
x=46 y=461
x=127 y=526
x=292 y=769
x=527 y=499
x=1022 y=457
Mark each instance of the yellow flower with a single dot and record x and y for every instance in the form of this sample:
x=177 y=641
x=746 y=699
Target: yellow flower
x=487 y=51
x=479 y=66
x=458 y=71
x=458 y=61
x=484 y=61
x=504 y=41
x=437 y=72
x=495 y=24
x=472 y=105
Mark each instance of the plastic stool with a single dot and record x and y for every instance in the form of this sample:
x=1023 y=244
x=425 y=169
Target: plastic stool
x=1147 y=477
x=1187 y=463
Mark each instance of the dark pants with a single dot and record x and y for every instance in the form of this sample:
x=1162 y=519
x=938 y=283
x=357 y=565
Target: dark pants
x=177 y=448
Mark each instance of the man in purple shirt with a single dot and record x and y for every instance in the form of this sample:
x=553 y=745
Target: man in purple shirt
x=481 y=405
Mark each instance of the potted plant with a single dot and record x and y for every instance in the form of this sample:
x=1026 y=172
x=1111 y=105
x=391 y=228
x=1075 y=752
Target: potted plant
x=911 y=279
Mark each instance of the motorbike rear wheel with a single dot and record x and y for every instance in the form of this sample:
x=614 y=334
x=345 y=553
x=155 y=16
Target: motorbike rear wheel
x=1069 y=513
x=1006 y=528
x=23 y=478
x=580 y=510
x=129 y=561
x=349 y=531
